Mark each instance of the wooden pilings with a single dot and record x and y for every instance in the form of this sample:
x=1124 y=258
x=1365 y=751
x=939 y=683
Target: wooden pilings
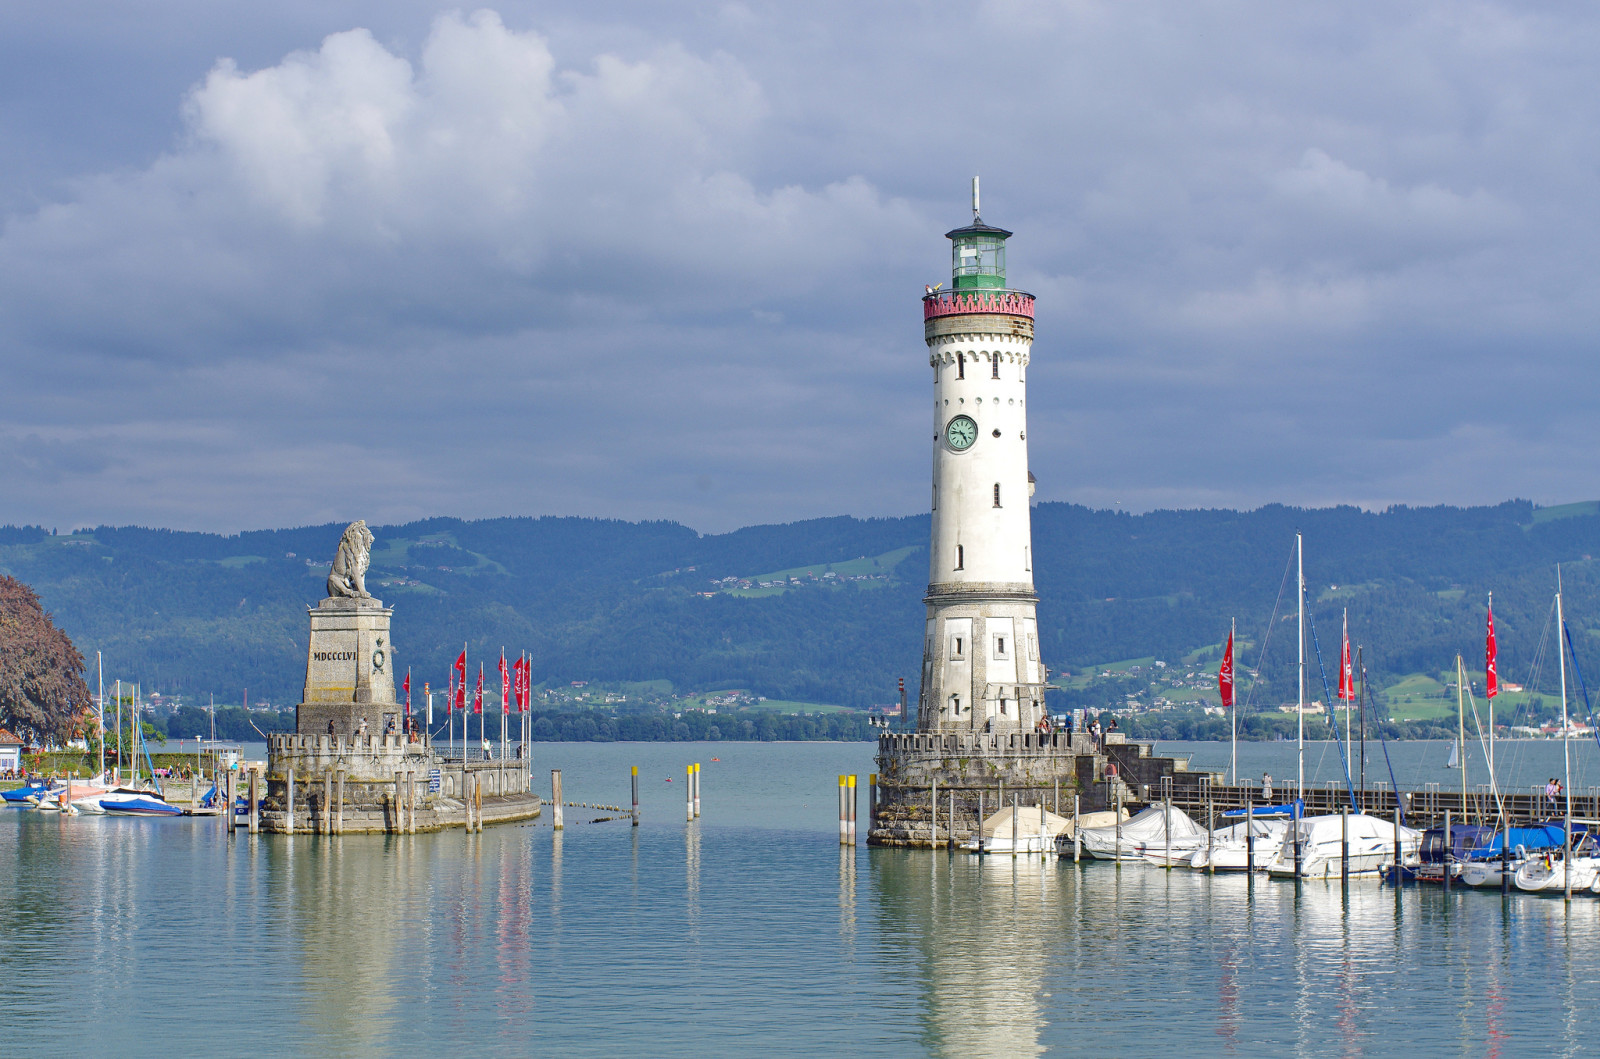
x=288 y=804
x=555 y=800
x=636 y=796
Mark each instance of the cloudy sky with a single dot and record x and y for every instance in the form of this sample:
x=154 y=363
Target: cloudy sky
x=270 y=264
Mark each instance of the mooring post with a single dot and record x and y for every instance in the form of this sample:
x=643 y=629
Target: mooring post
x=1077 y=843
x=1505 y=861
x=1444 y=856
x=1118 y=811
x=555 y=799
x=1249 y=835
x=1055 y=799
x=1398 y=878
x=852 y=800
x=1211 y=825
x=840 y=806
x=1344 y=846
x=327 y=803
x=1295 y=834
x=697 y=793
x=1013 y=823
x=950 y=823
x=194 y=793
x=980 y=822
x=1167 y=820
x=398 y=823
x=338 y=819
x=255 y=809
x=477 y=790
x=288 y=805
x=933 y=816
x=636 y=796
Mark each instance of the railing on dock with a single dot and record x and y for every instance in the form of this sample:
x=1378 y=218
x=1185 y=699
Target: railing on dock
x=1419 y=808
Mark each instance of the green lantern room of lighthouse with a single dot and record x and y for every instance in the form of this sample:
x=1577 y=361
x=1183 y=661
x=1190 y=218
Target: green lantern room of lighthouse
x=977 y=253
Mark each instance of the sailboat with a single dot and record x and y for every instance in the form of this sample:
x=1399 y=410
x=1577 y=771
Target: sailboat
x=1455 y=756
x=1577 y=867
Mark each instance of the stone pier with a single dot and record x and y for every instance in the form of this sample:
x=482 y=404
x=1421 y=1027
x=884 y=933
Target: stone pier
x=1036 y=769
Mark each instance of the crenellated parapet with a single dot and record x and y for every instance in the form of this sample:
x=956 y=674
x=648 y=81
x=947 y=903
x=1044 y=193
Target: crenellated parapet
x=956 y=303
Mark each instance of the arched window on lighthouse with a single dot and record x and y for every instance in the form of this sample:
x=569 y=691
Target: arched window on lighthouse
x=997 y=494
x=961 y=558
x=961 y=365
x=994 y=366
x=936 y=496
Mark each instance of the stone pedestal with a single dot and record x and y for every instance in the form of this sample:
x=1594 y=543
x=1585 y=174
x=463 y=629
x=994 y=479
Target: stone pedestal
x=349 y=670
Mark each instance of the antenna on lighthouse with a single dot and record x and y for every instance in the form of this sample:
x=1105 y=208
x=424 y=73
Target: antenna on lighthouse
x=974 y=200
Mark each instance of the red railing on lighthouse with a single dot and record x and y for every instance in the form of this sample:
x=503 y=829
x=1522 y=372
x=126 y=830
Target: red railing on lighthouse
x=954 y=303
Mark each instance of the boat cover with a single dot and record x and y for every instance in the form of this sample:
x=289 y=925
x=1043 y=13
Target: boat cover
x=1542 y=837
x=999 y=825
x=1148 y=830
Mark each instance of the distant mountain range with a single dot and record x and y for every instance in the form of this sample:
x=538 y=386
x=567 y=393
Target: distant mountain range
x=827 y=610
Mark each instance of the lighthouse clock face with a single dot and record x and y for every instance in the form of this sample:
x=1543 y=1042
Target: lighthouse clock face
x=961 y=433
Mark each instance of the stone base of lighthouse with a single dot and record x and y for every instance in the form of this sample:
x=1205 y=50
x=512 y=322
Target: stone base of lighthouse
x=929 y=779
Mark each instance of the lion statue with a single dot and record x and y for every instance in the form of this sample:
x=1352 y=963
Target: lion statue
x=349 y=576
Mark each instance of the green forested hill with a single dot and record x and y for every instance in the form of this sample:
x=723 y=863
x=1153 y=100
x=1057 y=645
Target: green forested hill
x=599 y=600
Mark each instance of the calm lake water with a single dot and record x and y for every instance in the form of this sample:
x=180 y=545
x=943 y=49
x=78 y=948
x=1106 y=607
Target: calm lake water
x=748 y=933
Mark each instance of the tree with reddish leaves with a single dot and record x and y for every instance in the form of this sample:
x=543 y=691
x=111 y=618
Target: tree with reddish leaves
x=41 y=672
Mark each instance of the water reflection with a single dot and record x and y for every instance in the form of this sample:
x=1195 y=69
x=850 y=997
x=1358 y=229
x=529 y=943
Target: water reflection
x=982 y=931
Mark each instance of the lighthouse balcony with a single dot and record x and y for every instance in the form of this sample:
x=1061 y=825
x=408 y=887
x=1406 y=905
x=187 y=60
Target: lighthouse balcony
x=960 y=303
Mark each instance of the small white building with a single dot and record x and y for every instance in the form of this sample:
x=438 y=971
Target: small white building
x=10 y=752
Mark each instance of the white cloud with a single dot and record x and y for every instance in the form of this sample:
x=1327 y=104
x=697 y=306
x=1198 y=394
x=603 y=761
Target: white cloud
x=609 y=258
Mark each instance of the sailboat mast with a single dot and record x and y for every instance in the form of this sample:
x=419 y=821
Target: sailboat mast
x=1233 y=759
x=1361 y=665
x=100 y=698
x=1566 y=744
x=1300 y=738
x=1461 y=731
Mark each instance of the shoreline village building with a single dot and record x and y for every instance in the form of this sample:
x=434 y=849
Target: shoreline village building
x=981 y=666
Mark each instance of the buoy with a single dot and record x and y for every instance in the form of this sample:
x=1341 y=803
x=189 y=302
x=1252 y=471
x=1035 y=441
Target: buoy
x=716 y=759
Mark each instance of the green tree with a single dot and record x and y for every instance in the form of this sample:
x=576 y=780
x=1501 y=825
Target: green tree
x=41 y=672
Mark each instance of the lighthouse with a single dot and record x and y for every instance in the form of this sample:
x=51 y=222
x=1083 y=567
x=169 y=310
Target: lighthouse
x=981 y=665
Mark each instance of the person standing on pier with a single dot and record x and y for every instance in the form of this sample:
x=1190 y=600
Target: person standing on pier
x=1266 y=787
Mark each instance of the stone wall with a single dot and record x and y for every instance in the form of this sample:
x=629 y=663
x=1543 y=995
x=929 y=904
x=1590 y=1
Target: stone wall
x=929 y=779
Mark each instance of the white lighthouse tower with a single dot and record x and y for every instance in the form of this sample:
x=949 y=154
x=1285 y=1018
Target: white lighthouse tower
x=981 y=667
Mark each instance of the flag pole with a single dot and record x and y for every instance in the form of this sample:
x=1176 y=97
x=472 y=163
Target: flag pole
x=1491 y=689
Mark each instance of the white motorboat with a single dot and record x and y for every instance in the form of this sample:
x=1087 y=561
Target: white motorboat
x=1320 y=841
x=1229 y=850
x=1036 y=830
x=1548 y=872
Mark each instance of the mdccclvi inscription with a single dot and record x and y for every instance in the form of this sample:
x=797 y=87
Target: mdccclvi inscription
x=333 y=656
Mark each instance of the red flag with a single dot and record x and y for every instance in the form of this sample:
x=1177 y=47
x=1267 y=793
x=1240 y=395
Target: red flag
x=1347 y=682
x=461 y=681
x=522 y=685
x=505 y=685
x=1491 y=679
x=1225 y=674
x=407 y=686
x=477 y=698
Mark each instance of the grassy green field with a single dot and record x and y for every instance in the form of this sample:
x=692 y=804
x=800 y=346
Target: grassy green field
x=864 y=566
x=782 y=706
